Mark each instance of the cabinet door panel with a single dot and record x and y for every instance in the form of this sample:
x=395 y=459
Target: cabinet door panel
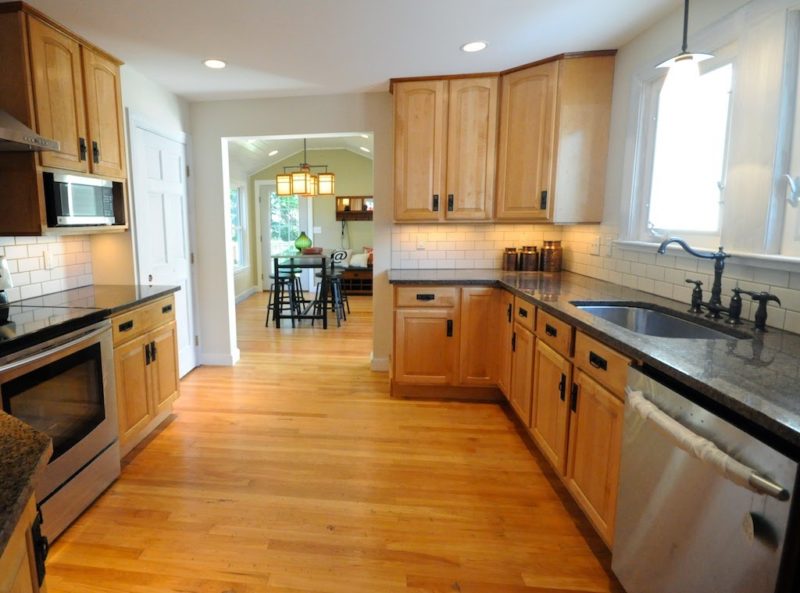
x=522 y=373
x=527 y=124
x=419 y=151
x=552 y=380
x=477 y=352
x=471 y=148
x=165 y=367
x=132 y=380
x=595 y=433
x=104 y=115
x=504 y=318
x=424 y=353
x=58 y=95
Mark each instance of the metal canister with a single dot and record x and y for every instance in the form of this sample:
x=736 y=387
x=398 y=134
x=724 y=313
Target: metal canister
x=551 y=256
x=529 y=259
x=510 y=258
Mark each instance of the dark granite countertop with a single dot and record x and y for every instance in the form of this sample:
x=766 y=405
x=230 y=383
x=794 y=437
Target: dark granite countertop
x=24 y=453
x=110 y=298
x=751 y=381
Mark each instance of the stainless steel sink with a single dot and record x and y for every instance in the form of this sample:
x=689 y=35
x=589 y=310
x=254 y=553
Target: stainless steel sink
x=644 y=318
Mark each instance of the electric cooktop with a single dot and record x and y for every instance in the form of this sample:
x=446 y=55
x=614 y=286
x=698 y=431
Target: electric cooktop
x=22 y=326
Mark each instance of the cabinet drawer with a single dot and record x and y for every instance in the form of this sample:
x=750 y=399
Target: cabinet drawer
x=426 y=296
x=525 y=313
x=352 y=274
x=555 y=333
x=135 y=322
x=602 y=363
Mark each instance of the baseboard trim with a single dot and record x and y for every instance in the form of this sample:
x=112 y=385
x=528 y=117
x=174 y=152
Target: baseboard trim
x=247 y=294
x=380 y=364
x=446 y=392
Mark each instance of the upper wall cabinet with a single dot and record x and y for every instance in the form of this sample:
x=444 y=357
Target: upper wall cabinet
x=77 y=101
x=445 y=142
x=554 y=124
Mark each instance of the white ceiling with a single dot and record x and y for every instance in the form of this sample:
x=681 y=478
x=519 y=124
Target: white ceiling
x=307 y=47
x=250 y=155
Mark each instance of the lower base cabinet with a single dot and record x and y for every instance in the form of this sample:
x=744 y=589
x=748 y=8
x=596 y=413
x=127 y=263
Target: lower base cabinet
x=552 y=381
x=146 y=369
x=18 y=570
x=595 y=438
x=522 y=372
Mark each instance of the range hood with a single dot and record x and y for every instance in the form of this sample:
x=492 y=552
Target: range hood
x=17 y=137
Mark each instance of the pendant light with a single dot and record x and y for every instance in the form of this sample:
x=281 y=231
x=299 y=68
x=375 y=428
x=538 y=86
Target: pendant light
x=304 y=182
x=683 y=68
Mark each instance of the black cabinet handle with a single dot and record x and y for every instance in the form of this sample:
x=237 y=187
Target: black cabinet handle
x=450 y=200
x=153 y=351
x=148 y=357
x=449 y=328
x=127 y=326
x=574 y=397
x=82 y=148
x=425 y=297
x=522 y=312
x=509 y=312
x=436 y=202
x=95 y=151
x=562 y=387
x=166 y=308
x=514 y=342
x=543 y=200
x=41 y=547
x=597 y=361
x=550 y=330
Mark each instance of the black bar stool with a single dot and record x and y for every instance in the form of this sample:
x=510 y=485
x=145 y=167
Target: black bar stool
x=288 y=290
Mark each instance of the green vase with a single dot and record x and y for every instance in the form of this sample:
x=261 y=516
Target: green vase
x=302 y=241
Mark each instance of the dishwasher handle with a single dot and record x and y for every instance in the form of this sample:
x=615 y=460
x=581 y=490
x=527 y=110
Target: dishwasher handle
x=703 y=449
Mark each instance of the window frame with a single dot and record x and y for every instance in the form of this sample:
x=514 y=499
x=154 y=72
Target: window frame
x=241 y=228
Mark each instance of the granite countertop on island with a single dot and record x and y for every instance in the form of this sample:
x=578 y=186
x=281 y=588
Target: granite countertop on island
x=24 y=453
x=753 y=380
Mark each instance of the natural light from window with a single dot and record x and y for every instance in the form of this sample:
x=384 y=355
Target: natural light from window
x=689 y=158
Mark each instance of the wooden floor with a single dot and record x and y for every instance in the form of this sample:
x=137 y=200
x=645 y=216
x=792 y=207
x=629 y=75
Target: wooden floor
x=294 y=472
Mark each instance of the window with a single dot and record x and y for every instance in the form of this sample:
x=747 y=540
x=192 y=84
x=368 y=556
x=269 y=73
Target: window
x=683 y=189
x=284 y=222
x=239 y=227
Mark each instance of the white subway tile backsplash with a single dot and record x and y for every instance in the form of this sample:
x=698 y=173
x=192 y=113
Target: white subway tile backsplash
x=70 y=264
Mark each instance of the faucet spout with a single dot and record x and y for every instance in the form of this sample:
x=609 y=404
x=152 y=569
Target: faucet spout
x=705 y=255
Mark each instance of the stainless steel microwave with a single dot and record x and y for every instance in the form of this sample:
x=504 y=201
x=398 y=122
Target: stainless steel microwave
x=71 y=200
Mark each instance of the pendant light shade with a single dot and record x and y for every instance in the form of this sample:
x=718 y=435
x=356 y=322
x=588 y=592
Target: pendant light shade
x=303 y=182
x=283 y=184
x=684 y=66
x=327 y=184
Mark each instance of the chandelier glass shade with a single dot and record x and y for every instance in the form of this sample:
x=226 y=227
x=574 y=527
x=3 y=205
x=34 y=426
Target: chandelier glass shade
x=302 y=182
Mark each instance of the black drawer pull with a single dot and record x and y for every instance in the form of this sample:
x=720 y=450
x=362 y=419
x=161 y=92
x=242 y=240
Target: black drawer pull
x=550 y=330
x=166 y=308
x=127 y=326
x=597 y=361
x=450 y=202
x=425 y=297
x=436 y=202
x=522 y=312
x=449 y=328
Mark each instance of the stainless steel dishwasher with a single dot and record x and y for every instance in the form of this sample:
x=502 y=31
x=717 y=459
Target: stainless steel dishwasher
x=703 y=506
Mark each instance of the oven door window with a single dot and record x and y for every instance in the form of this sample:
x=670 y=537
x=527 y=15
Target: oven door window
x=63 y=399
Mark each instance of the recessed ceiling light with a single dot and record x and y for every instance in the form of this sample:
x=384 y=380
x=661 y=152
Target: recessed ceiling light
x=273 y=152
x=215 y=64
x=364 y=148
x=365 y=136
x=474 y=46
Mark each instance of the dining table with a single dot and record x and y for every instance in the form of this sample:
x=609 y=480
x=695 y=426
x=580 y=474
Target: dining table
x=288 y=262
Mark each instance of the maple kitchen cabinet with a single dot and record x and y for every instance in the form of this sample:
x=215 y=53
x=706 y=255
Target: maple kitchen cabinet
x=504 y=321
x=522 y=349
x=553 y=139
x=444 y=153
x=550 y=414
x=66 y=89
x=476 y=351
x=18 y=563
x=146 y=368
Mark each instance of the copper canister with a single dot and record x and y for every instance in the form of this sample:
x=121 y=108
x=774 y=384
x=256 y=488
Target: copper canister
x=529 y=259
x=510 y=258
x=551 y=256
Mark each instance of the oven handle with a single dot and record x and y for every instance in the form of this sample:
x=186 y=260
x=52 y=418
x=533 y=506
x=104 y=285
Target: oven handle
x=87 y=337
x=703 y=449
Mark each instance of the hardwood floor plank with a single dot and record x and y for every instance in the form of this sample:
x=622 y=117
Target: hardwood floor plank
x=295 y=472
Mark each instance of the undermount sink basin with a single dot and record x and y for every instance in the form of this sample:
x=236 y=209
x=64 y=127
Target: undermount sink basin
x=644 y=318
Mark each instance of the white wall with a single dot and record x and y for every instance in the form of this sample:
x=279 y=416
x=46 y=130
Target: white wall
x=215 y=120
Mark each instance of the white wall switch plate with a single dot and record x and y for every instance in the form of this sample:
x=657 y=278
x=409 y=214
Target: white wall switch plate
x=594 y=246
x=420 y=245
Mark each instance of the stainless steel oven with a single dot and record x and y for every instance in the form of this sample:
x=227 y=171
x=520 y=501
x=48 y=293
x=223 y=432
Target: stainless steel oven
x=65 y=388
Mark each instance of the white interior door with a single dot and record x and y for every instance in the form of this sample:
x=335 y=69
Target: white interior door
x=160 y=204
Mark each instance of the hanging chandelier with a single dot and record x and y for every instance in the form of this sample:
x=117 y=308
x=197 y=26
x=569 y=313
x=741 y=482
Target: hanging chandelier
x=302 y=182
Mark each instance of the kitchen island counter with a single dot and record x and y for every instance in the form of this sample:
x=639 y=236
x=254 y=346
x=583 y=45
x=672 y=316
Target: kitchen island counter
x=753 y=381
